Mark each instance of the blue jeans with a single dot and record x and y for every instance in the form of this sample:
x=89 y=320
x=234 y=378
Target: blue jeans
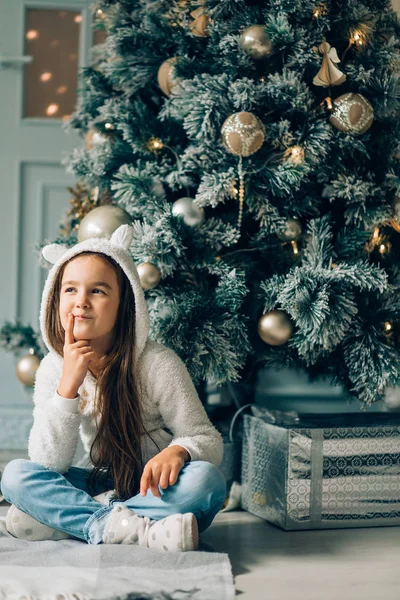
x=63 y=501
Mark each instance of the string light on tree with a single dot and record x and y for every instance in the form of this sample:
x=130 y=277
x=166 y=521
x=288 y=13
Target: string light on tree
x=358 y=37
x=154 y=144
x=294 y=154
x=388 y=327
x=385 y=247
x=320 y=10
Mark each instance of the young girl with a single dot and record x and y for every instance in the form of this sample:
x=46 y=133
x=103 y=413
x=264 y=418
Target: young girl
x=154 y=479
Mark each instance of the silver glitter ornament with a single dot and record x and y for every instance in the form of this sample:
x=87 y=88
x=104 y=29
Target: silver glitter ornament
x=242 y=133
x=191 y=213
x=102 y=222
x=352 y=113
x=256 y=42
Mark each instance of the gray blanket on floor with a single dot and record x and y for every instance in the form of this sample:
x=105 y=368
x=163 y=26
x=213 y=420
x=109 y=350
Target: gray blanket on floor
x=74 y=570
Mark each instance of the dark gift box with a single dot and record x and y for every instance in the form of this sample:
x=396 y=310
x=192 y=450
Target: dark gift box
x=322 y=471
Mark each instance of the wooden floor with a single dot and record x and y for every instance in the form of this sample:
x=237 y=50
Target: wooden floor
x=338 y=564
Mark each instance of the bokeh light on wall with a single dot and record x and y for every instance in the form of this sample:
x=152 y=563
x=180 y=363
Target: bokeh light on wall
x=50 y=80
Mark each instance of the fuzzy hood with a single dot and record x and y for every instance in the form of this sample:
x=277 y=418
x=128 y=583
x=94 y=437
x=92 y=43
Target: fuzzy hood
x=117 y=247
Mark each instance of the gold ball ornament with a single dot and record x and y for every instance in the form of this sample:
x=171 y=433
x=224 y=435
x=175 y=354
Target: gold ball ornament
x=275 y=328
x=292 y=232
x=242 y=134
x=256 y=42
x=352 y=113
x=192 y=214
x=395 y=222
x=102 y=221
x=166 y=76
x=149 y=275
x=26 y=368
x=199 y=25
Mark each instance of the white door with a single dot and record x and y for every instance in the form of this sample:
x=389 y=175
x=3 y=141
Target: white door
x=42 y=46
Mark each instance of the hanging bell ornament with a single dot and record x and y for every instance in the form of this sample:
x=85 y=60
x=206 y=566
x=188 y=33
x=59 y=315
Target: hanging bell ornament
x=26 y=368
x=102 y=221
x=352 y=113
x=256 y=42
x=292 y=232
x=242 y=133
x=275 y=328
x=149 y=275
x=192 y=213
x=166 y=76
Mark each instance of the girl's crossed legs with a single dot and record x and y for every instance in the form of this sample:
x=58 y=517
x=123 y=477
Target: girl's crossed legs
x=64 y=502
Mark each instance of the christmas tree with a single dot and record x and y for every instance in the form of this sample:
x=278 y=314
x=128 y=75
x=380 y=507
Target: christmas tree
x=254 y=146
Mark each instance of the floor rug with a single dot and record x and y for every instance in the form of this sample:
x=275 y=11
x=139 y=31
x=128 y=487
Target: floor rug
x=74 y=570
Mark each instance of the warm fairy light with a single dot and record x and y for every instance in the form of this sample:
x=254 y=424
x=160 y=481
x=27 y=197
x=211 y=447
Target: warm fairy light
x=376 y=233
x=384 y=248
x=294 y=246
x=78 y=19
x=100 y=13
x=32 y=34
x=295 y=154
x=357 y=37
x=46 y=76
x=108 y=126
x=329 y=104
x=61 y=89
x=262 y=78
x=319 y=10
x=388 y=326
x=233 y=191
x=217 y=258
x=154 y=144
x=52 y=109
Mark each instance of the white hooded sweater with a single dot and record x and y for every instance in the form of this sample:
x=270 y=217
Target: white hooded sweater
x=172 y=411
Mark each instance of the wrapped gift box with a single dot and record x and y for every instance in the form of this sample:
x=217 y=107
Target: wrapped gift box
x=325 y=471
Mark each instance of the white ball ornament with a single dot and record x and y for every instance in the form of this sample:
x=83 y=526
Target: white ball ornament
x=26 y=368
x=102 y=221
x=149 y=275
x=192 y=214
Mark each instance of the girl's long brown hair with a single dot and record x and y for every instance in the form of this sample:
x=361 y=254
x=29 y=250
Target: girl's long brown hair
x=116 y=450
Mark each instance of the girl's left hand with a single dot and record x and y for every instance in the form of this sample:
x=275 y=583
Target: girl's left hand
x=163 y=470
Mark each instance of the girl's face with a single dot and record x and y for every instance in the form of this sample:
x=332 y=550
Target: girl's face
x=89 y=287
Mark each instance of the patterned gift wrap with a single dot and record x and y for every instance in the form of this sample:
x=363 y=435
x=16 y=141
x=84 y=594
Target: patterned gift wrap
x=323 y=471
